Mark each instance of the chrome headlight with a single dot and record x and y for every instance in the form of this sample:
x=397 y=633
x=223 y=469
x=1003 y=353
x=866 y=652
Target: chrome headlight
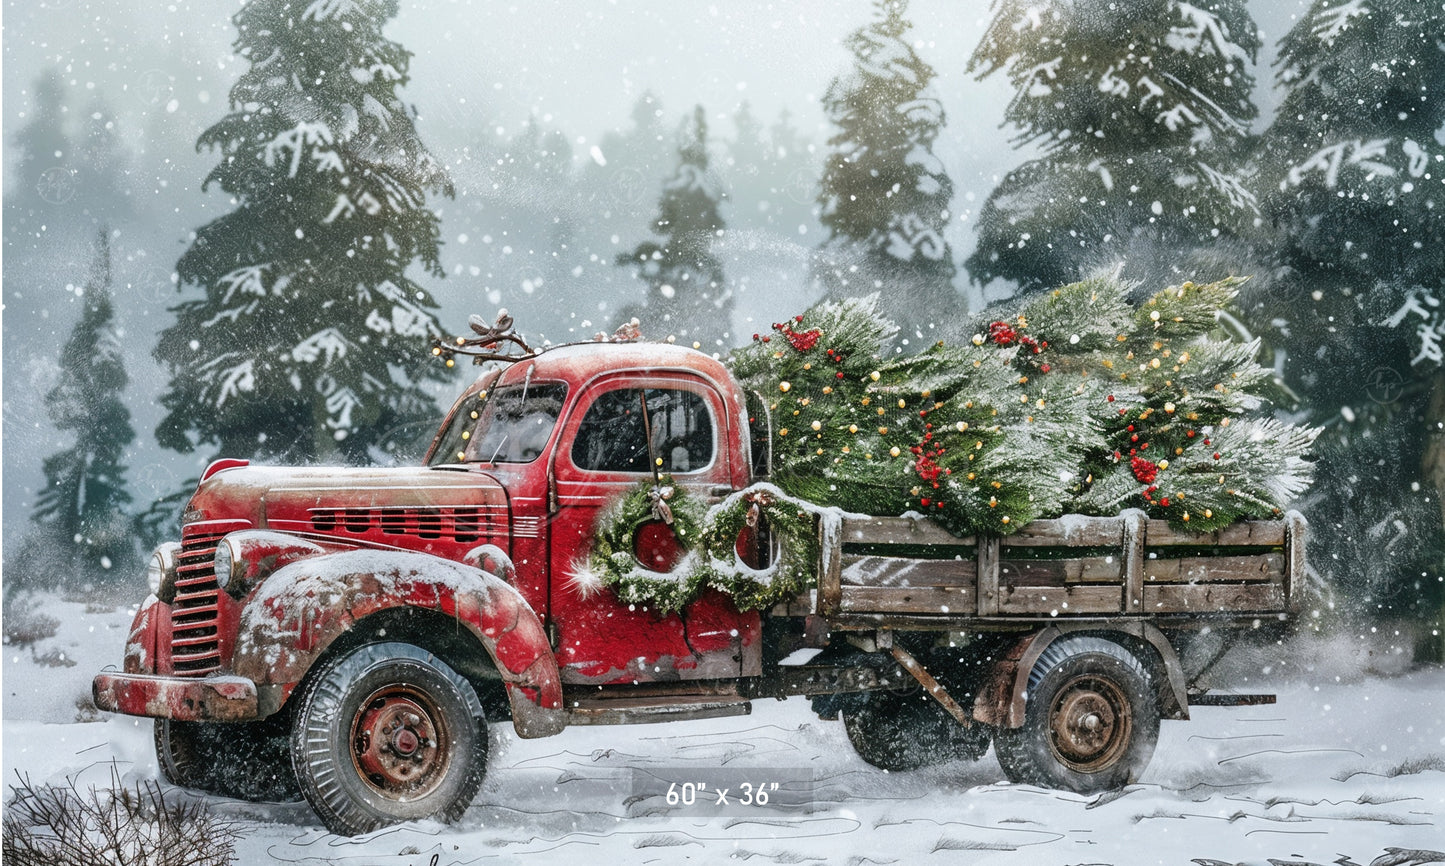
x=224 y=563
x=161 y=570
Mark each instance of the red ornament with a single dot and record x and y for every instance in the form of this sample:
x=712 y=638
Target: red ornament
x=839 y=374
x=1216 y=455
x=1164 y=502
x=924 y=501
x=1110 y=398
x=1045 y=368
x=1144 y=470
x=1001 y=333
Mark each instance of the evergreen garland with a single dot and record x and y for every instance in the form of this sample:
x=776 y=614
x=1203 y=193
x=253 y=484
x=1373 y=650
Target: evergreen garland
x=709 y=538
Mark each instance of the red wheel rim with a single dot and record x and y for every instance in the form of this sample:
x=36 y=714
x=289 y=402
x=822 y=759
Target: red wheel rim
x=400 y=744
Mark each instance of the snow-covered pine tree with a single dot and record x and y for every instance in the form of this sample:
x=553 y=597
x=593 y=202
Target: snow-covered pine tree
x=885 y=196
x=310 y=340
x=44 y=177
x=687 y=296
x=81 y=529
x=1141 y=111
x=1351 y=168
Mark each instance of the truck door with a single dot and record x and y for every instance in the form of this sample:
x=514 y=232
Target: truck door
x=603 y=453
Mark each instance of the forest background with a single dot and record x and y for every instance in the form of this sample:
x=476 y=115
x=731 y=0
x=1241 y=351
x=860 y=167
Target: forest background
x=710 y=170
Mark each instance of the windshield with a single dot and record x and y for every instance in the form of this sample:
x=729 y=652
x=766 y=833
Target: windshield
x=514 y=423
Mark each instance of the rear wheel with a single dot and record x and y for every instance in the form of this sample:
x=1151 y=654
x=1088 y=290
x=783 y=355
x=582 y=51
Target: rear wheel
x=1091 y=721
x=244 y=760
x=388 y=733
x=895 y=731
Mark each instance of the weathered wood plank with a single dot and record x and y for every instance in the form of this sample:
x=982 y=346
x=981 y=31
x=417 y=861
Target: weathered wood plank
x=1245 y=533
x=1263 y=568
x=1058 y=572
x=988 y=577
x=899 y=530
x=1136 y=525
x=1074 y=530
x=897 y=571
x=1060 y=601
x=830 y=570
x=941 y=600
x=1295 y=576
x=1213 y=598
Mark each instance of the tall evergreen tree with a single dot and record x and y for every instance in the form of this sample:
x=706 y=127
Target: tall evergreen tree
x=1141 y=111
x=885 y=196
x=310 y=338
x=686 y=293
x=1351 y=166
x=44 y=179
x=81 y=528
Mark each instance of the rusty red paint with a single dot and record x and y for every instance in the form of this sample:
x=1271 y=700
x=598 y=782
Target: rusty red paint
x=140 y=646
x=184 y=699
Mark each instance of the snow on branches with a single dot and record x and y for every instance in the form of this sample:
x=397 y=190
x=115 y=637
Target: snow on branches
x=1079 y=401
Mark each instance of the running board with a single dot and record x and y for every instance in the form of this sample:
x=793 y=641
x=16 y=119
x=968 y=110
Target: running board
x=642 y=711
x=1209 y=700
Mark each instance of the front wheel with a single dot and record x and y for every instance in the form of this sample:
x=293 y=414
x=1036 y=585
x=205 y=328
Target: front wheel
x=244 y=760
x=387 y=733
x=1091 y=721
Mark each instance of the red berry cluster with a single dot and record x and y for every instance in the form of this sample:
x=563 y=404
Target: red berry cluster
x=926 y=455
x=1144 y=470
x=1002 y=333
x=803 y=341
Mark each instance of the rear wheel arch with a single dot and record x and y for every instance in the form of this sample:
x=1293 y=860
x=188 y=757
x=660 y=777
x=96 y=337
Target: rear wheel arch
x=1142 y=640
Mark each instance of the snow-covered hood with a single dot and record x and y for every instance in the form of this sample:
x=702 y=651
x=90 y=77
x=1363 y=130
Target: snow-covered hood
x=436 y=510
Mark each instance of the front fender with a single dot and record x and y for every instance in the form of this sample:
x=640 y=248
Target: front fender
x=291 y=619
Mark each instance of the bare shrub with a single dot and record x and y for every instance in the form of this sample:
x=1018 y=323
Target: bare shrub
x=25 y=625
x=53 y=825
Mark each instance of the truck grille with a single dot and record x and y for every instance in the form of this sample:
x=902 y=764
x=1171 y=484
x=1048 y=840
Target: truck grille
x=195 y=640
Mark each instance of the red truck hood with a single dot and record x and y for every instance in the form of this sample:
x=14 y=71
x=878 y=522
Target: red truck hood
x=441 y=511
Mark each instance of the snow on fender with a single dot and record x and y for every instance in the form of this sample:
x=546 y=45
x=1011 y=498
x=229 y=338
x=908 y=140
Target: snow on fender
x=296 y=614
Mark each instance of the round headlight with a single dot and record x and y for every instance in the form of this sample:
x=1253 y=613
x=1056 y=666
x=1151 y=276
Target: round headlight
x=224 y=563
x=161 y=571
x=155 y=573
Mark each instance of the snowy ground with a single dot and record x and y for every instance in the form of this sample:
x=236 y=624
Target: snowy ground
x=1339 y=771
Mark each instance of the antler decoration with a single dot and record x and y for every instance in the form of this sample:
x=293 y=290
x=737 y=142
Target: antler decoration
x=484 y=346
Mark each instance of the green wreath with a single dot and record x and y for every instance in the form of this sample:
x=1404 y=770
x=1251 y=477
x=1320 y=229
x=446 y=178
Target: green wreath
x=709 y=538
x=614 y=563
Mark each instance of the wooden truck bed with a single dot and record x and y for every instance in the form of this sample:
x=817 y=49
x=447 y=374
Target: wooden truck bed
x=900 y=571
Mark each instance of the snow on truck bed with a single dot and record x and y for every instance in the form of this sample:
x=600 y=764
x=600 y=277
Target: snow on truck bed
x=1346 y=764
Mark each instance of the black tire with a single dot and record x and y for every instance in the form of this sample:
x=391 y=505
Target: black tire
x=245 y=760
x=1091 y=722
x=387 y=733
x=895 y=731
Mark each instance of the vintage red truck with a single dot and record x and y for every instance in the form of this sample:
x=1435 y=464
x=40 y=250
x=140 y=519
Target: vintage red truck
x=349 y=634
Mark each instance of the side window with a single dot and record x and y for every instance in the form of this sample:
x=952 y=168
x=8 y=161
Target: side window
x=613 y=434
